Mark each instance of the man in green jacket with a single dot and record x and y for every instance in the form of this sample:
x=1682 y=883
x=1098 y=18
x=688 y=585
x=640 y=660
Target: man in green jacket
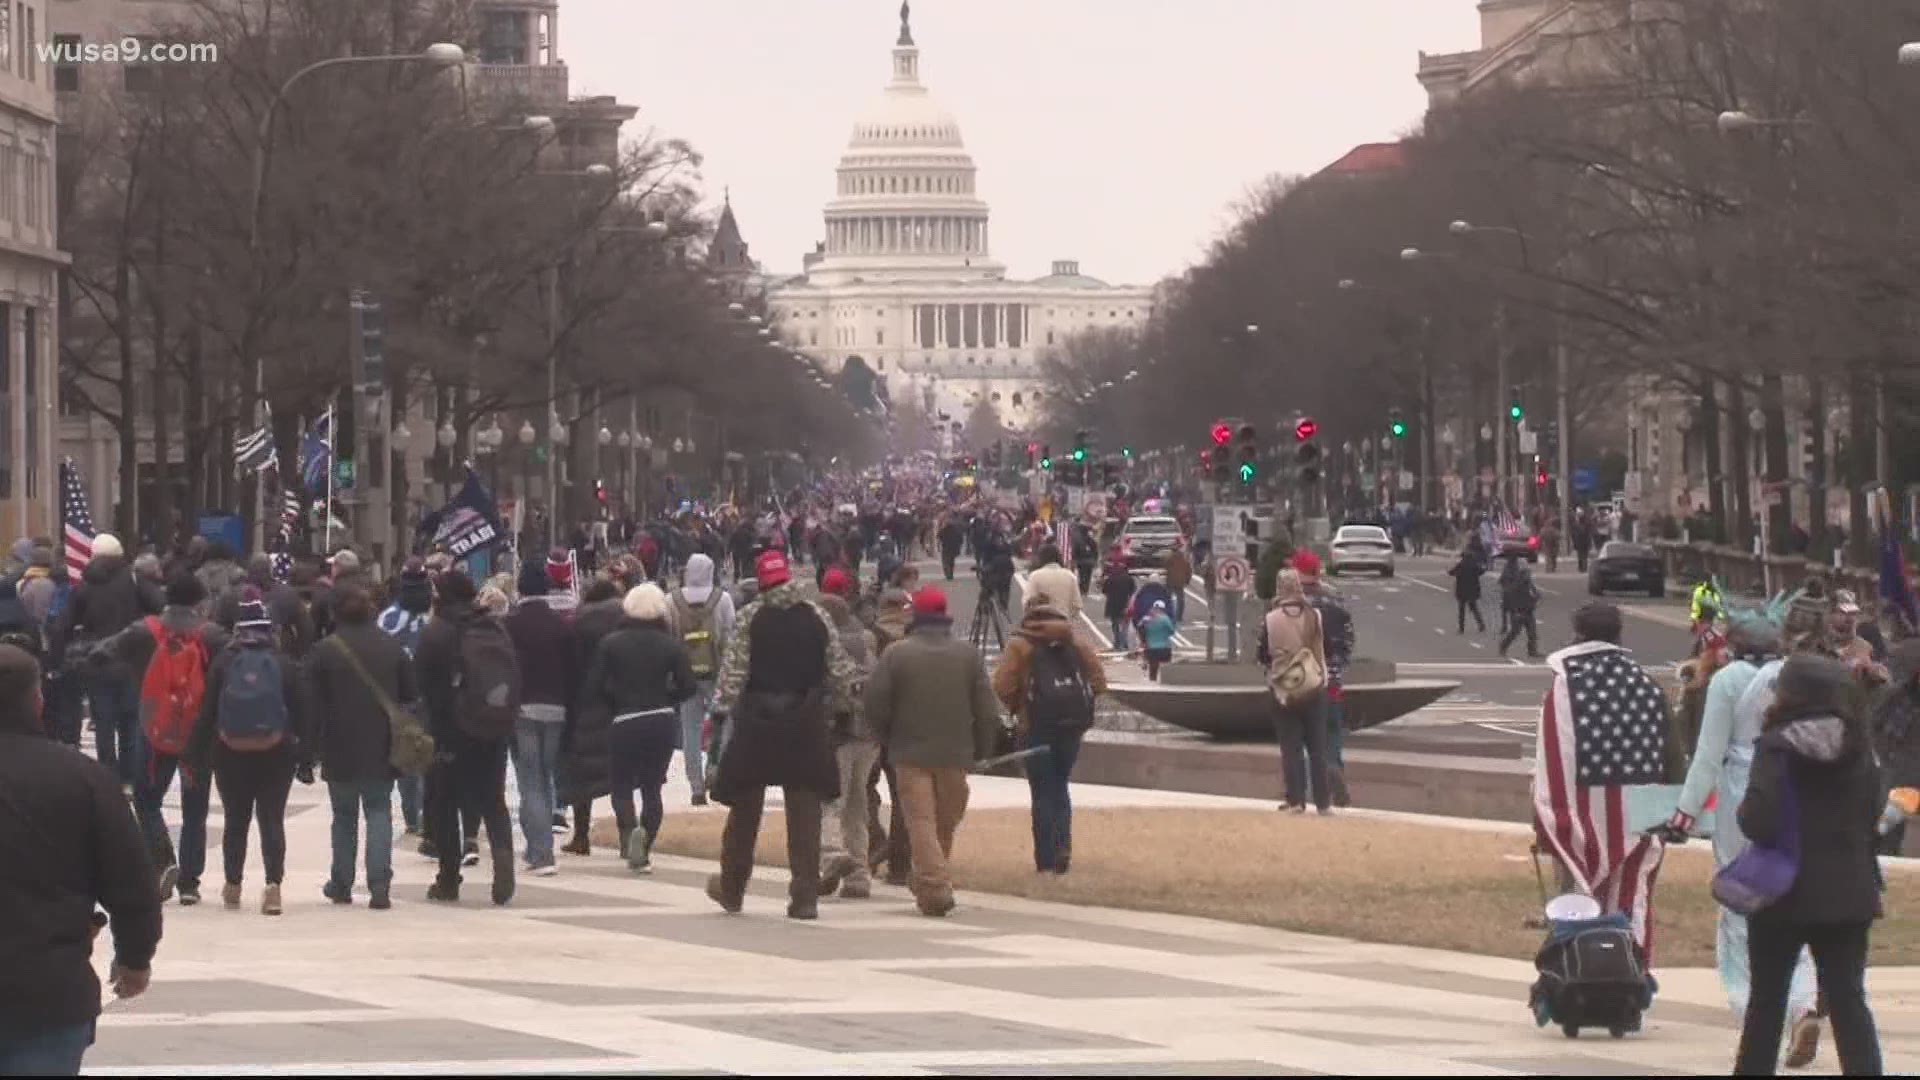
x=930 y=704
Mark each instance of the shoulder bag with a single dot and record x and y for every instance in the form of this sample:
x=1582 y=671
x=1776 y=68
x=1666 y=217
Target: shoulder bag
x=411 y=749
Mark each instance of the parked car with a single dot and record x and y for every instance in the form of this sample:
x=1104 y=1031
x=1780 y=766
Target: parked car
x=1361 y=547
x=1147 y=539
x=1520 y=540
x=1627 y=567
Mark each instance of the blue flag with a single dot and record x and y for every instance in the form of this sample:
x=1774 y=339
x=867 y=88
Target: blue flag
x=470 y=521
x=316 y=452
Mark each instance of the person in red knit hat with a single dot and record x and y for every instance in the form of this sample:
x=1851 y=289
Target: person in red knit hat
x=1336 y=625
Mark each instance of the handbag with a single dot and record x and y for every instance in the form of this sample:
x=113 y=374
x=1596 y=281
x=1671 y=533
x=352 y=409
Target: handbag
x=1758 y=877
x=411 y=749
x=1299 y=676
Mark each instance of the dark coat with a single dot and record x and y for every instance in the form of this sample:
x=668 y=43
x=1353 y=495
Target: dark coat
x=109 y=598
x=350 y=728
x=436 y=667
x=69 y=842
x=1837 y=788
x=285 y=606
x=1118 y=587
x=543 y=643
x=1466 y=572
x=199 y=755
x=781 y=723
x=584 y=761
x=638 y=668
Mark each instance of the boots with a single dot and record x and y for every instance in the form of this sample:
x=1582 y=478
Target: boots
x=717 y=892
x=578 y=845
x=502 y=875
x=270 y=899
x=1337 y=784
x=639 y=852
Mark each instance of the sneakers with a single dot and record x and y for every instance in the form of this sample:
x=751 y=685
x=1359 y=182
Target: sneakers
x=472 y=855
x=559 y=822
x=545 y=869
x=230 y=896
x=639 y=852
x=837 y=869
x=189 y=893
x=1326 y=811
x=579 y=845
x=1803 y=1043
x=169 y=877
x=855 y=889
x=804 y=910
x=270 y=900
x=716 y=892
x=379 y=899
x=444 y=892
x=336 y=894
x=936 y=907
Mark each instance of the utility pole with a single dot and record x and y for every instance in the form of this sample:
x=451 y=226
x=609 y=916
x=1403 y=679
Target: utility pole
x=1565 y=486
x=553 y=404
x=1499 y=406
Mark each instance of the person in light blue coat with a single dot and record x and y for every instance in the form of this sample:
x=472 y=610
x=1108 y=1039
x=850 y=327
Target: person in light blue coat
x=1737 y=700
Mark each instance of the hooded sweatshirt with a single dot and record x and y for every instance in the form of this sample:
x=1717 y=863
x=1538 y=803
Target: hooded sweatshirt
x=699 y=591
x=1041 y=628
x=1835 y=801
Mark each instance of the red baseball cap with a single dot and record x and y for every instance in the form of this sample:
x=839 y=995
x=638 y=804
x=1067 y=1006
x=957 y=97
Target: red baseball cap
x=772 y=570
x=836 y=582
x=929 y=601
x=1306 y=564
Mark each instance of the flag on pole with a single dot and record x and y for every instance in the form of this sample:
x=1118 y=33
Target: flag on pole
x=316 y=452
x=75 y=519
x=254 y=451
x=289 y=512
x=1602 y=732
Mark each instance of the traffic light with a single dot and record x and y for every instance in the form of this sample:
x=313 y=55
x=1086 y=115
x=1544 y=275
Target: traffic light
x=1306 y=452
x=1222 y=433
x=1206 y=464
x=1033 y=455
x=1540 y=472
x=1126 y=452
x=1046 y=457
x=1516 y=410
x=600 y=492
x=1081 y=440
x=1248 y=453
x=1396 y=424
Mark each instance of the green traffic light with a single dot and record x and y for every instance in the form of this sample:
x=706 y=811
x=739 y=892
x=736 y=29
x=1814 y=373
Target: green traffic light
x=1515 y=412
x=1399 y=430
x=1046 y=463
x=1246 y=472
x=1126 y=451
x=1079 y=455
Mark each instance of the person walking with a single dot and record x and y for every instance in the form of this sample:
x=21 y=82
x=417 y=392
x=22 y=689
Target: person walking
x=70 y=845
x=251 y=735
x=1466 y=572
x=353 y=679
x=703 y=616
x=171 y=653
x=584 y=757
x=1520 y=603
x=952 y=536
x=1583 y=536
x=1815 y=791
x=844 y=836
x=1086 y=555
x=1053 y=583
x=1336 y=632
x=1179 y=576
x=1292 y=625
x=1157 y=631
x=784 y=678
x=470 y=683
x=1117 y=589
x=1049 y=680
x=931 y=705
x=544 y=649
x=403 y=620
x=108 y=599
x=638 y=678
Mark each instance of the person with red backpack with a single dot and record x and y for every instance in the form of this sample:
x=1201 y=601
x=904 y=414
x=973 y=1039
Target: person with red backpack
x=470 y=680
x=171 y=652
x=251 y=734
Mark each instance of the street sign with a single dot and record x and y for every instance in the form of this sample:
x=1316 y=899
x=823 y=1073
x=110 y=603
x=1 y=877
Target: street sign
x=1529 y=441
x=1406 y=481
x=1586 y=479
x=1227 y=533
x=1232 y=573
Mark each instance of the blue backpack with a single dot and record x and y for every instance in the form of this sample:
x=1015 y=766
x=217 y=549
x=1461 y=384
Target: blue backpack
x=253 y=703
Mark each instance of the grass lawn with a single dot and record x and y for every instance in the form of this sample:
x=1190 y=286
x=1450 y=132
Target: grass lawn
x=1347 y=877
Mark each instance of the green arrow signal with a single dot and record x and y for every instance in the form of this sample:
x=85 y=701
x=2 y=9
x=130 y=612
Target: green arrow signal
x=1246 y=472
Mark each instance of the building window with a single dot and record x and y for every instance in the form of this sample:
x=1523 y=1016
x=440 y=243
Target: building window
x=31 y=38
x=66 y=77
x=879 y=336
x=1049 y=337
x=139 y=78
x=813 y=337
x=6 y=401
x=30 y=376
x=503 y=38
x=883 y=364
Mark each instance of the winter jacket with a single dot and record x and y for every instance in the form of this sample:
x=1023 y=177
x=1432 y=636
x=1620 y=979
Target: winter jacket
x=436 y=667
x=1040 y=629
x=1896 y=718
x=351 y=730
x=1179 y=570
x=1118 y=586
x=700 y=591
x=1057 y=587
x=221 y=578
x=109 y=597
x=1839 y=795
x=584 y=757
x=1466 y=572
x=930 y=703
x=1517 y=592
x=403 y=626
x=290 y=612
x=1336 y=633
x=784 y=677
x=36 y=589
x=206 y=730
x=543 y=643
x=863 y=650
x=69 y=841
x=638 y=668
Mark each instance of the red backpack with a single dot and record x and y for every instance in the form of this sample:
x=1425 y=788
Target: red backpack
x=173 y=688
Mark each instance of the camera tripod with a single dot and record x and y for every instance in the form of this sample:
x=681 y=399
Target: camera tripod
x=989 y=618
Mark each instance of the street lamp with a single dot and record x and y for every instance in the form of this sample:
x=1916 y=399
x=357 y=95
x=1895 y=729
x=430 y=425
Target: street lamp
x=1910 y=54
x=625 y=440
x=557 y=432
x=736 y=307
x=527 y=433
x=679 y=446
x=1736 y=121
x=402 y=433
x=605 y=436
x=446 y=436
x=539 y=125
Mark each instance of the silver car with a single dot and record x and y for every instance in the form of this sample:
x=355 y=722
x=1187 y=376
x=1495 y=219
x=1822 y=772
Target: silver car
x=1362 y=547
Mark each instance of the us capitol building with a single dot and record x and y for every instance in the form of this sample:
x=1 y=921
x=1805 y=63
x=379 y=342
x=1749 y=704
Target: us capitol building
x=905 y=280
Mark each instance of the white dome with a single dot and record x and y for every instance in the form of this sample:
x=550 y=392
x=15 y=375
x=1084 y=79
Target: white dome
x=905 y=117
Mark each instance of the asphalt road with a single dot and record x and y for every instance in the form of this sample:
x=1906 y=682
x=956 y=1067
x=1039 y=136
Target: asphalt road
x=1410 y=620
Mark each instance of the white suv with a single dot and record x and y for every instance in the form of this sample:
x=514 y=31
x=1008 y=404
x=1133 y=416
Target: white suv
x=1362 y=547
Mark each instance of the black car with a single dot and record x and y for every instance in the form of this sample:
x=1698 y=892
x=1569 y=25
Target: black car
x=1627 y=567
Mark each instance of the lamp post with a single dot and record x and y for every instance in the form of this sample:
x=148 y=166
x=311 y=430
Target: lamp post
x=527 y=435
x=446 y=437
x=440 y=54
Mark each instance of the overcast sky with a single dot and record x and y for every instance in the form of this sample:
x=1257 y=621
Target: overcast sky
x=1117 y=132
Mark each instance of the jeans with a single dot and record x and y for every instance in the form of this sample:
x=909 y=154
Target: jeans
x=117 y=739
x=936 y=800
x=411 y=788
x=742 y=832
x=1840 y=959
x=639 y=752
x=1085 y=573
x=693 y=712
x=51 y=1052
x=195 y=794
x=468 y=783
x=1047 y=776
x=536 y=754
x=350 y=798
x=843 y=822
x=253 y=787
x=1302 y=730
x=1118 y=624
x=1518 y=620
x=1472 y=605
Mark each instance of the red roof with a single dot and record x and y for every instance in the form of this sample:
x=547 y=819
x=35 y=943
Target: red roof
x=1369 y=158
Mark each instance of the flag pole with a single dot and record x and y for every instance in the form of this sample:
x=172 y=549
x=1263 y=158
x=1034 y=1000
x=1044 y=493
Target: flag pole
x=326 y=511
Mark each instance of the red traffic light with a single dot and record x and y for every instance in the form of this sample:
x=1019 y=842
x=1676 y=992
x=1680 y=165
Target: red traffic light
x=1304 y=428
x=1222 y=433
x=1033 y=448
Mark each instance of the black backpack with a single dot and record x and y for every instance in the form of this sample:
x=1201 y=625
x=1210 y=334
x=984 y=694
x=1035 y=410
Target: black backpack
x=487 y=682
x=1057 y=692
x=1591 y=978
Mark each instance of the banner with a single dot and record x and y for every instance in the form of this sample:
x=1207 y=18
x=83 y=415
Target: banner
x=468 y=523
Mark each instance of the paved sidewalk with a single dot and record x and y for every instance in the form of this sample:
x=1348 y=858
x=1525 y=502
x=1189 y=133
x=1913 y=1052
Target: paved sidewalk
x=598 y=971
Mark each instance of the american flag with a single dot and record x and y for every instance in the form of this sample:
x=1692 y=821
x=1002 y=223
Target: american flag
x=255 y=450
x=1602 y=729
x=75 y=519
x=1896 y=585
x=289 y=512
